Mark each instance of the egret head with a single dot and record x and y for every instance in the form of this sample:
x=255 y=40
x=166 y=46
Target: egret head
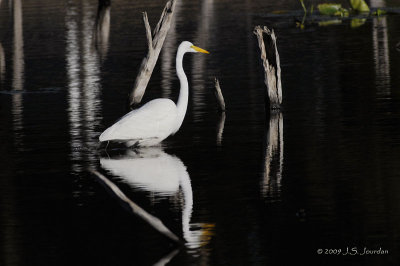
x=190 y=48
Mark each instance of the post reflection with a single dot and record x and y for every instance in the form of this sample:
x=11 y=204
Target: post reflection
x=2 y=63
x=271 y=181
x=381 y=51
x=73 y=73
x=10 y=222
x=83 y=72
x=18 y=72
x=168 y=54
x=153 y=170
x=198 y=69
x=102 y=28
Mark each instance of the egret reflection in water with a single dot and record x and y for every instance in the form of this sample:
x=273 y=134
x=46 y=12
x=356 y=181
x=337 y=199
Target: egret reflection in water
x=153 y=170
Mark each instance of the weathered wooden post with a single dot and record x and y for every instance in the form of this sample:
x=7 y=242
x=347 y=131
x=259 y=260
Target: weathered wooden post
x=271 y=63
x=155 y=42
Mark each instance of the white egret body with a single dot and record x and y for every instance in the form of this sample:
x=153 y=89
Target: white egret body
x=157 y=119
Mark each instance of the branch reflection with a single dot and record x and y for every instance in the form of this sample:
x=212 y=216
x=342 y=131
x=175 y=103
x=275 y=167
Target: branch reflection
x=220 y=128
x=381 y=51
x=165 y=260
x=153 y=170
x=271 y=182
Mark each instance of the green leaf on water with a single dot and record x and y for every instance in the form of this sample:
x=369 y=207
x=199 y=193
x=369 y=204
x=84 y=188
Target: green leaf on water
x=333 y=10
x=359 y=5
x=357 y=22
x=329 y=9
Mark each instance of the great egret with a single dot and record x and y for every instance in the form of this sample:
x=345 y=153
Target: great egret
x=157 y=119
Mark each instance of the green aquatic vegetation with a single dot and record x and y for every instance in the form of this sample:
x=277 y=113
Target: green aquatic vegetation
x=301 y=24
x=336 y=10
x=379 y=12
x=359 y=5
x=357 y=22
x=330 y=9
x=304 y=7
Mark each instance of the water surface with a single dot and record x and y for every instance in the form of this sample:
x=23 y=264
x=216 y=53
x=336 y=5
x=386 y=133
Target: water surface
x=245 y=188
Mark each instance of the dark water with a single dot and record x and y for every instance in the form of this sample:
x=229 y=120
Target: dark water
x=248 y=188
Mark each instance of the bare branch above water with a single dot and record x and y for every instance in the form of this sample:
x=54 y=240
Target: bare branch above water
x=155 y=42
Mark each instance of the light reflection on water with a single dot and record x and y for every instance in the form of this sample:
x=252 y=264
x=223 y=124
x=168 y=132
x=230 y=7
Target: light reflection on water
x=274 y=154
x=18 y=73
x=381 y=52
x=329 y=173
x=167 y=56
x=87 y=41
x=202 y=39
x=163 y=175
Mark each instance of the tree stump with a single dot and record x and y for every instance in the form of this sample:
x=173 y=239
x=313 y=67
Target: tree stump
x=271 y=64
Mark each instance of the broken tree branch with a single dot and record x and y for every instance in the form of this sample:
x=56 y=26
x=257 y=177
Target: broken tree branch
x=271 y=64
x=136 y=209
x=148 y=32
x=155 y=43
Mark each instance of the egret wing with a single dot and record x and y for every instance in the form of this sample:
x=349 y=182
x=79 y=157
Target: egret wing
x=155 y=119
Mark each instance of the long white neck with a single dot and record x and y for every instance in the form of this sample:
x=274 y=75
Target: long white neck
x=184 y=92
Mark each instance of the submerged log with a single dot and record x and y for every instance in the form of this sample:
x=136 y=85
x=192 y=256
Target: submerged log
x=136 y=209
x=271 y=64
x=155 y=42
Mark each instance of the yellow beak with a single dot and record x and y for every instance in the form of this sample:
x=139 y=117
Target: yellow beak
x=198 y=49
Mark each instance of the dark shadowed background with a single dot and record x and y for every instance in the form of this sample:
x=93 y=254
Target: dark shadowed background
x=267 y=189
